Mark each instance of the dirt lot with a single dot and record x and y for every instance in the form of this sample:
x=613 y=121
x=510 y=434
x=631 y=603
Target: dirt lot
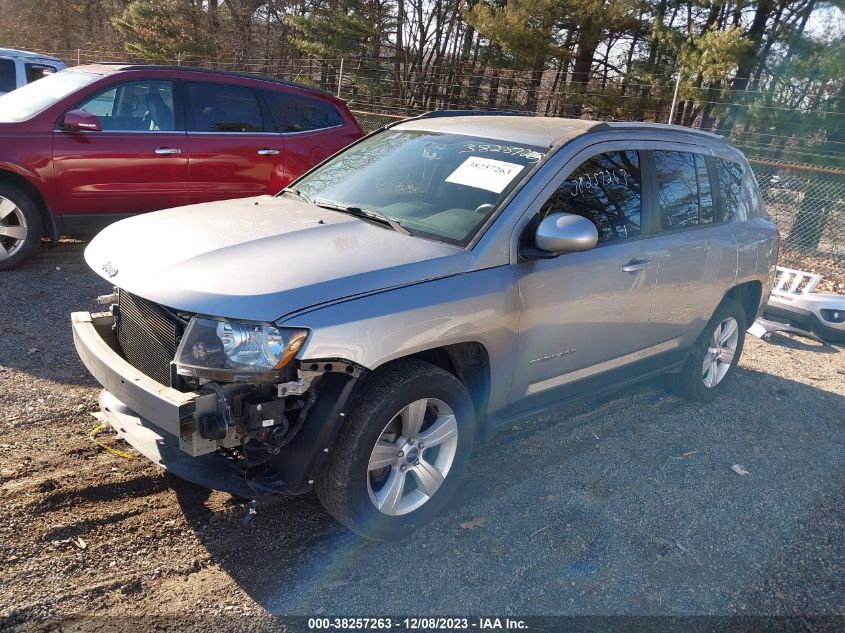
x=630 y=507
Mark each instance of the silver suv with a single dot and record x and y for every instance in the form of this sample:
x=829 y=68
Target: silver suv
x=418 y=291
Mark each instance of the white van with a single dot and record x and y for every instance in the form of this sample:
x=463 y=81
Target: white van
x=21 y=67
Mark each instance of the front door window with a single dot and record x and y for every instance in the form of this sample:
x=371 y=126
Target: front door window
x=135 y=106
x=607 y=190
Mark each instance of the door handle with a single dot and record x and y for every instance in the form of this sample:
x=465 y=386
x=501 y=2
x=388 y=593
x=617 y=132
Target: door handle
x=167 y=151
x=266 y=151
x=636 y=264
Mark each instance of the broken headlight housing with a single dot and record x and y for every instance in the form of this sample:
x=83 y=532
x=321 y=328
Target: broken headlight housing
x=235 y=351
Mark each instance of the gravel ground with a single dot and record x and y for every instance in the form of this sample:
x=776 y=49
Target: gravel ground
x=628 y=507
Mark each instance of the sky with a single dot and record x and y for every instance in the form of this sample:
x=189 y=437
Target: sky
x=827 y=22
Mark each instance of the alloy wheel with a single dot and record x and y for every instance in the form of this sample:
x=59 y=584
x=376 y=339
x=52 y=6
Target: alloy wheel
x=720 y=353
x=412 y=456
x=13 y=228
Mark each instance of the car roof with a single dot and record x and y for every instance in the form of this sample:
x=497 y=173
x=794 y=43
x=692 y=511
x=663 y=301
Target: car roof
x=105 y=68
x=13 y=52
x=531 y=130
x=513 y=128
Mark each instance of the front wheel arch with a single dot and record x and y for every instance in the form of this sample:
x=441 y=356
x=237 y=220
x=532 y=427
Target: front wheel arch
x=48 y=221
x=342 y=485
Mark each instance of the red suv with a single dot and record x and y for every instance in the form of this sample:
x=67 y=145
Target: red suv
x=91 y=144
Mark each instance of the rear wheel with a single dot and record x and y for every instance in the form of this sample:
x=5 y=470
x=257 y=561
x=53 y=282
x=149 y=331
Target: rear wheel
x=715 y=355
x=20 y=226
x=399 y=456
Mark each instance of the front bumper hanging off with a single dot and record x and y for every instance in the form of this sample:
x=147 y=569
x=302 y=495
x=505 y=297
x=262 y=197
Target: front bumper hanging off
x=209 y=470
x=131 y=400
x=161 y=422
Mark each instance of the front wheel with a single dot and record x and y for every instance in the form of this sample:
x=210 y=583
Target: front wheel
x=715 y=355
x=399 y=456
x=20 y=226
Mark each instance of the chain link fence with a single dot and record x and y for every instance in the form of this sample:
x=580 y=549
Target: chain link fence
x=807 y=202
x=808 y=205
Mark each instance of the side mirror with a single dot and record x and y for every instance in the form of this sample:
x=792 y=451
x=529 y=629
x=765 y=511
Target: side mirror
x=80 y=120
x=560 y=233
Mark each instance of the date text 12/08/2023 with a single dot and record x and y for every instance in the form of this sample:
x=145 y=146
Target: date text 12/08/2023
x=417 y=623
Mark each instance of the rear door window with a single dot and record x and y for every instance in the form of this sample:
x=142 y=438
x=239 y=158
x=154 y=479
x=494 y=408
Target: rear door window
x=607 y=190
x=683 y=190
x=730 y=186
x=222 y=108
x=134 y=106
x=295 y=113
x=7 y=75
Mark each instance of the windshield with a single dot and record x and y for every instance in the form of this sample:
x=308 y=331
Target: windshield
x=441 y=186
x=29 y=100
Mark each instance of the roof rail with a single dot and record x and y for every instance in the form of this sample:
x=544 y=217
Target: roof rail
x=216 y=71
x=433 y=114
x=641 y=125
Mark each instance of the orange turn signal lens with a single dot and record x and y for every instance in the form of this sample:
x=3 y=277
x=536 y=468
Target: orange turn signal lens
x=295 y=343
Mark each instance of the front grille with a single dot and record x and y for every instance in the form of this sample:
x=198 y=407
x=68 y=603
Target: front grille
x=148 y=335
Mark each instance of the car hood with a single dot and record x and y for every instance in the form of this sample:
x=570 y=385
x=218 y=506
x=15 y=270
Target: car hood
x=261 y=258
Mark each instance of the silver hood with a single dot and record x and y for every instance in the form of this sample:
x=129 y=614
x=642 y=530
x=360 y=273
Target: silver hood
x=261 y=258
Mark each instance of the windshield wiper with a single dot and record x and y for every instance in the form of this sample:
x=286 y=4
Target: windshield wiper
x=370 y=214
x=298 y=194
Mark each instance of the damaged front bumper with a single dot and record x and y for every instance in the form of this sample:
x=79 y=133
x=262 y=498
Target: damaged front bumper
x=162 y=448
x=163 y=423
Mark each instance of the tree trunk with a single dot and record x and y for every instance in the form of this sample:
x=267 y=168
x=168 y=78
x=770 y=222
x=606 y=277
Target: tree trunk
x=581 y=70
x=534 y=86
x=747 y=63
x=398 y=83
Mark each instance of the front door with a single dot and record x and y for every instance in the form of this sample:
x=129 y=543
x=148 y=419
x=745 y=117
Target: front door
x=234 y=150
x=586 y=313
x=138 y=162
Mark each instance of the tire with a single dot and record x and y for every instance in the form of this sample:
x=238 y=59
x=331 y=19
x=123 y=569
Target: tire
x=356 y=478
x=696 y=380
x=20 y=226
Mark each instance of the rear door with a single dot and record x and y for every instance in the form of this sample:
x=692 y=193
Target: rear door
x=313 y=128
x=138 y=162
x=697 y=253
x=234 y=148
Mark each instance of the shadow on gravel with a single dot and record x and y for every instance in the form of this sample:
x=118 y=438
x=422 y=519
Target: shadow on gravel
x=800 y=343
x=631 y=507
x=103 y=492
x=38 y=298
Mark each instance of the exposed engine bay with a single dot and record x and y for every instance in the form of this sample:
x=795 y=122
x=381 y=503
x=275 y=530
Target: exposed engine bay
x=250 y=420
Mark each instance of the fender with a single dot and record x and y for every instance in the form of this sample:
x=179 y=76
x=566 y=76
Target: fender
x=35 y=183
x=475 y=307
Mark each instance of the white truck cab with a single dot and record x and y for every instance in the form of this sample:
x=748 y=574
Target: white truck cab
x=21 y=67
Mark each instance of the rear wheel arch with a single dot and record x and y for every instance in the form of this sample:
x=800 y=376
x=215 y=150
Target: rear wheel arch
x=748 y=294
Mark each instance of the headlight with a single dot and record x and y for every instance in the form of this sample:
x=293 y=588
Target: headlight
x=228 y=350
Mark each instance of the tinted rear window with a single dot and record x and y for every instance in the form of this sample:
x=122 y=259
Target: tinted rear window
x=222 y=108
x=295 y=113
x=7 y=75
